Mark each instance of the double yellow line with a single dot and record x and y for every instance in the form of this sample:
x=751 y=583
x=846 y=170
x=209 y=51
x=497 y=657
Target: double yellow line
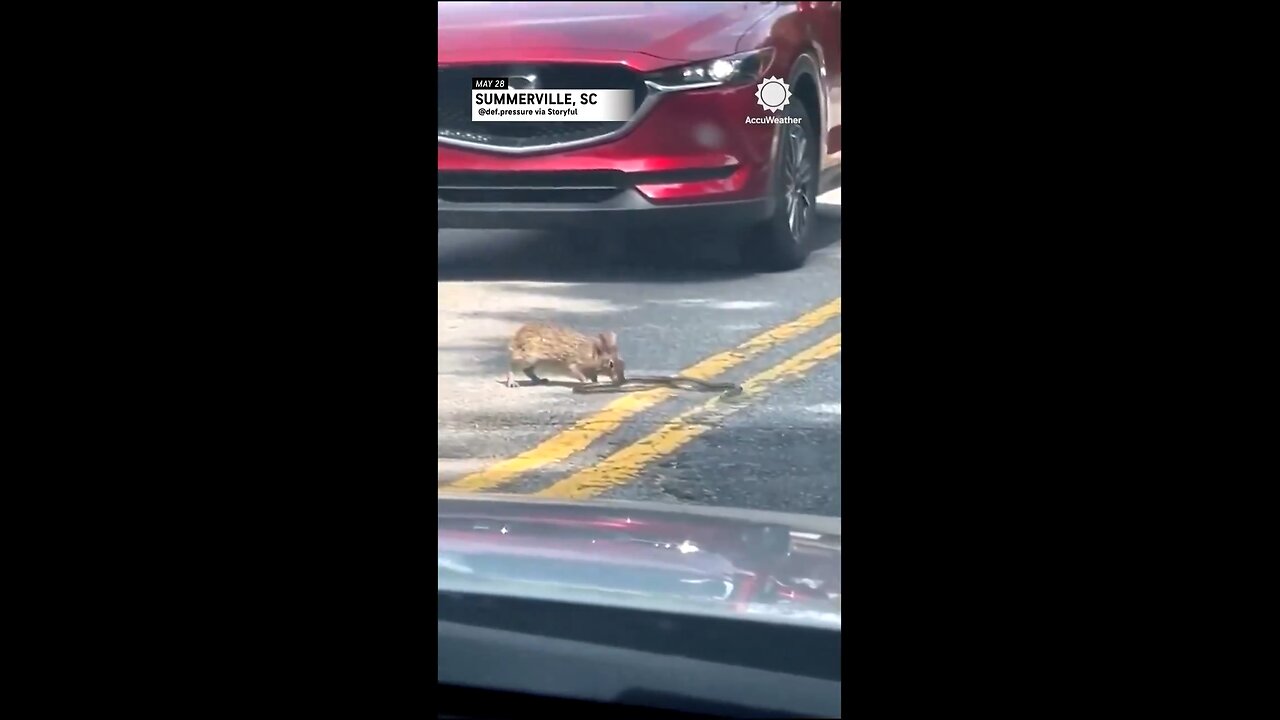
x=625 y=464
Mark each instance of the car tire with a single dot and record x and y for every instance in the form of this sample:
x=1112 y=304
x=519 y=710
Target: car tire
x=783 y=242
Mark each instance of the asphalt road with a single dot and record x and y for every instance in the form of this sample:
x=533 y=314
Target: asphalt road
x=678 y=305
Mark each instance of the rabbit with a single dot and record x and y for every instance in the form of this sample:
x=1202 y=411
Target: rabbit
x=566 y=352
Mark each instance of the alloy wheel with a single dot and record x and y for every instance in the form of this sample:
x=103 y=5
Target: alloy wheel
x=797 y=173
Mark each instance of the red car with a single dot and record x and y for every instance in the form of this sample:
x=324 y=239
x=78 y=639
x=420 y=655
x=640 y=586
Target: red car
x=735 y=118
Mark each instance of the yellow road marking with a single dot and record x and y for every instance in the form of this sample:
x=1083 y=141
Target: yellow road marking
x=582 y=433
x=626 y=464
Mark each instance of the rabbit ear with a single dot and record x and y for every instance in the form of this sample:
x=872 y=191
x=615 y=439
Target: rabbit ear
x=609 y=341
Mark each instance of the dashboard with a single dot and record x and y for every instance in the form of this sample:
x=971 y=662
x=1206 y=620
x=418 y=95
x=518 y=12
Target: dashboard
x=502 y=656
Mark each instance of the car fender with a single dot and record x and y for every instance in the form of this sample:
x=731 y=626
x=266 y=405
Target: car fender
x=807 y=64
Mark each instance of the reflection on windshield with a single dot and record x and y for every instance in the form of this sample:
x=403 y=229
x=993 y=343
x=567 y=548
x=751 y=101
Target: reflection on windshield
x=652 y=556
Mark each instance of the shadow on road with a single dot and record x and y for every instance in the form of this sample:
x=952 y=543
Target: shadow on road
x=678 y=257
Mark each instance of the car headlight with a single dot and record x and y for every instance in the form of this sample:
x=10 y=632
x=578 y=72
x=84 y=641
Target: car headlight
x=733 y=70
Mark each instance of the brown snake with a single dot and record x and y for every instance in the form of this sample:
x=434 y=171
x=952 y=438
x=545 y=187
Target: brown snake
x=672 y=381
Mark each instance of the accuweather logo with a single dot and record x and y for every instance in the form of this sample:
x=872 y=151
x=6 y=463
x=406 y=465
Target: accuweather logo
x=773 y=94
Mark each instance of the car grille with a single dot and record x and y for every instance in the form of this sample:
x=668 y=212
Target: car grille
x=557 y=186
x=454 y=102
x=539 y=187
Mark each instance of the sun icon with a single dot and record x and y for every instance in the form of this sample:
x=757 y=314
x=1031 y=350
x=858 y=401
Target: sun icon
x=773 y=94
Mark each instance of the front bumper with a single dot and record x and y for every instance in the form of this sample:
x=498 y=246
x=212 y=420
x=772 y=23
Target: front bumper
x=692 y=159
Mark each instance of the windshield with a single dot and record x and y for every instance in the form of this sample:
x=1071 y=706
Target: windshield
x=639 y=306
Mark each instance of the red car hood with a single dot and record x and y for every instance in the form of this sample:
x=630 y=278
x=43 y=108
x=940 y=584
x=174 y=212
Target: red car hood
x=529 y=31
